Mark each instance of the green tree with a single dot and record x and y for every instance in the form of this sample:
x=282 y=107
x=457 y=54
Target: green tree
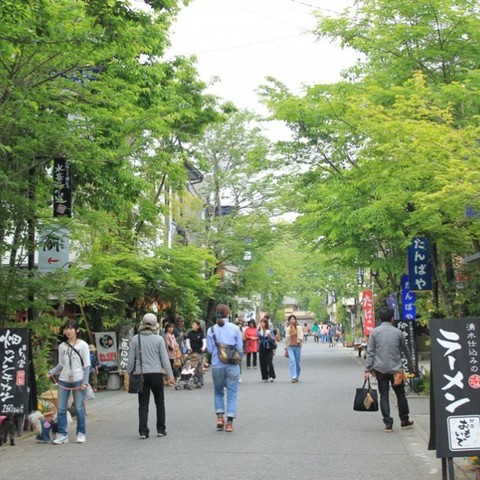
x=390 y=153
x=84 y=80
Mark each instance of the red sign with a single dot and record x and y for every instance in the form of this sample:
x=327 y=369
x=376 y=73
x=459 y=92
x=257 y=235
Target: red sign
x=474 y=381
x=20 y=382
x=368 y=313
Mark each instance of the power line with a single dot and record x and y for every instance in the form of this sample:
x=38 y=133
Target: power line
x=316 y=7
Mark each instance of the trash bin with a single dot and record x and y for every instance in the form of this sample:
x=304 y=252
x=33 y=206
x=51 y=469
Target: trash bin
x=113 y=382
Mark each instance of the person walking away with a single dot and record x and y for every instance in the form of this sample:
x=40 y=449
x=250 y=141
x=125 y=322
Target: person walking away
x=385 y=346
x=251 y=344
x=316 y=333
x=293 y=343
x=324 y=331
x=197 y=343
x=332 y=335
x=266 y=349
x=225 y=376
x=154 y=362
x=73 y=370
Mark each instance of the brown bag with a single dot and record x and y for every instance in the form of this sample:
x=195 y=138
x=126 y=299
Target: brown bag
x=398 y=377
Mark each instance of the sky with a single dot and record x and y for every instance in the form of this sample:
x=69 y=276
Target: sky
x=244 y=41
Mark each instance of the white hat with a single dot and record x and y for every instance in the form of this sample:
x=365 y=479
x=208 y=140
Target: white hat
x=149 y=321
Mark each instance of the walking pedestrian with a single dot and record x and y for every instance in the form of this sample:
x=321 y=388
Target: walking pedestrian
x=316 y=332
x=324 y=332
x=197 y=343
x=225 y=376
x=306 y=332
x=266 y=350
x=73 y=370
x=251 y=344
x=293 y=342
x=149 y=355
x=385 y=346
x=332 y=335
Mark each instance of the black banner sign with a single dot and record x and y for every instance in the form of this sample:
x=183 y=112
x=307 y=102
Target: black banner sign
x=14 y=370
x=408 y=330
x=455 y=348
x=62 y=188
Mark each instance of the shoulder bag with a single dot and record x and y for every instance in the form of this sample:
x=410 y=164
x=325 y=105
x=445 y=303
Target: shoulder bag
x=135 y=380
x=366 y=399
x=227 y=353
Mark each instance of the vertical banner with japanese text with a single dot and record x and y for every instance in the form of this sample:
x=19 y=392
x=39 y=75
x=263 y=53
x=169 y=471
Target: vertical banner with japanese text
x=456 y=386
x=368 y=313
x=14 y=368
x=409 y=308
x=408 y=330
x=393 y=303
x=62 y=188
x=420 y=265
x=125 y=335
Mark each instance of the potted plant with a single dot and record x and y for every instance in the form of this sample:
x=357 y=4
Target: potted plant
x=475 y=464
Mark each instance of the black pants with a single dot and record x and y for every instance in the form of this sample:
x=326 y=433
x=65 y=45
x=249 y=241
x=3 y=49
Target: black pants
x=251 y=356
x=266 y=363
x=152 y=382
x=384 y=380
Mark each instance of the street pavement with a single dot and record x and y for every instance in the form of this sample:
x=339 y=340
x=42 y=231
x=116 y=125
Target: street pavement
x=306 y=430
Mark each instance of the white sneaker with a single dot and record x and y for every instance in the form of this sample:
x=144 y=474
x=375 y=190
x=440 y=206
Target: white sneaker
x=81 y=438
x=60 y=439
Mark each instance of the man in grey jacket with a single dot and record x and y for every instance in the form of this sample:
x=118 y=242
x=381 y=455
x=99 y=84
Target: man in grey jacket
x=384 y=358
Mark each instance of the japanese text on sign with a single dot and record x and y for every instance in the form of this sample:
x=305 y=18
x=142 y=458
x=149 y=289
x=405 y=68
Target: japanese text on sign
x=419 y=265
x=62 y=195
x=13 y=366
x=409 y=309
x=368 y=312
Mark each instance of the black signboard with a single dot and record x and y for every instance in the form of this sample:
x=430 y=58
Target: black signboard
x=455 y=348
x=14 y=370
x=408 y=330
x=62 y=188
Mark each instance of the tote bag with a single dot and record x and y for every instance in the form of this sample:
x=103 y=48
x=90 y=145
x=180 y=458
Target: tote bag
x=366 y=399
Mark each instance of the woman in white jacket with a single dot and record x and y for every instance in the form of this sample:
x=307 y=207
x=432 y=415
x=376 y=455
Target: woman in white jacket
x=293 y=343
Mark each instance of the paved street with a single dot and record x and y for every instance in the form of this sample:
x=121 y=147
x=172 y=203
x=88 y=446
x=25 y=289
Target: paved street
x=283 y=431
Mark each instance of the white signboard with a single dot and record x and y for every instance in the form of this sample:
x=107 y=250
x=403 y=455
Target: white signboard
x=53 y=253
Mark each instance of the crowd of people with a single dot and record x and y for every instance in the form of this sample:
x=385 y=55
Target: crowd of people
x=161 y=352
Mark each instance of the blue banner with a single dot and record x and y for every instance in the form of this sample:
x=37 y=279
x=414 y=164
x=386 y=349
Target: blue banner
x=393 y=303
x=420 y=265
x=409 y=309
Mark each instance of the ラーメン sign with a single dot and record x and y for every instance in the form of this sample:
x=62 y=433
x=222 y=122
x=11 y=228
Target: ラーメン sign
x=456 y=386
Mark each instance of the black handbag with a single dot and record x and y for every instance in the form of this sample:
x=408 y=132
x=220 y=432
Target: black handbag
x=366 y=399
x=135 y=380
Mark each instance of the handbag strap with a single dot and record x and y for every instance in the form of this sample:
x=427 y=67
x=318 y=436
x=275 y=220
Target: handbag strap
x=215 y=339
x=367 y=380
x=140 y=356
x=76 y=351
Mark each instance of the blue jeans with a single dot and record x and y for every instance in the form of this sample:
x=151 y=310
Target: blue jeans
x=294 y=360
x=78 y=399
x=226 y=378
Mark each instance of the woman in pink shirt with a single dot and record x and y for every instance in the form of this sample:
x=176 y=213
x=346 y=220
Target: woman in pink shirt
x=251 y=344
